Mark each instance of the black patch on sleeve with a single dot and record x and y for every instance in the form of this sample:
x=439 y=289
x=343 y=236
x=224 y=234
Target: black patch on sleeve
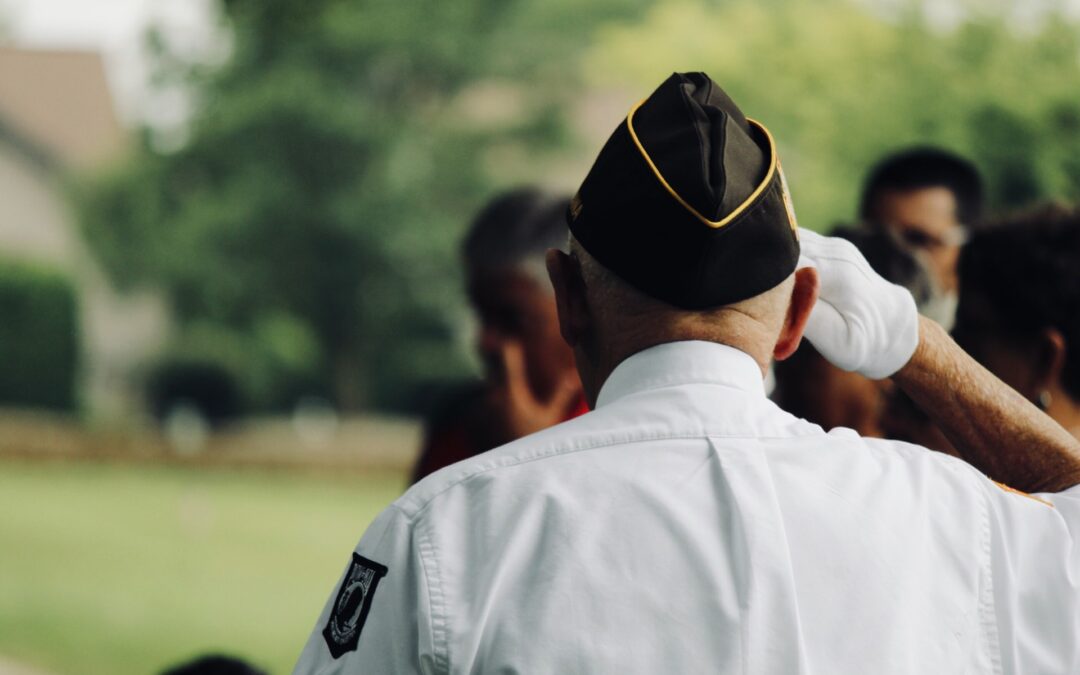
x=342 y=632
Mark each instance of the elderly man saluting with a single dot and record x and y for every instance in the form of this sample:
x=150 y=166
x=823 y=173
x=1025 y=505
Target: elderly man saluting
x=687 y=524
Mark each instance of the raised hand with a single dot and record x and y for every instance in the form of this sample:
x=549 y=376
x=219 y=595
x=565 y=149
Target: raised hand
x=861 y=322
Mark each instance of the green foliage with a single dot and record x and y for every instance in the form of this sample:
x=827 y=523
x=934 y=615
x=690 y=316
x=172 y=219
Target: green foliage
x=204 y=385
x=841 y=84
x=332 y=167
x=39 y=336
x=337 y=155
x=228 y=372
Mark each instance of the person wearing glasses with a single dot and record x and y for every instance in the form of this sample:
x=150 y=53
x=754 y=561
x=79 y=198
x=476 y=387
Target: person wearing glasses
x=929 y=199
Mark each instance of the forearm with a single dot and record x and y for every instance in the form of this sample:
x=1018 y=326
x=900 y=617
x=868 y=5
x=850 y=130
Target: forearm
x=991 y=425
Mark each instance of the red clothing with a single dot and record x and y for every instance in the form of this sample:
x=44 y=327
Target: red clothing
x=457 y=433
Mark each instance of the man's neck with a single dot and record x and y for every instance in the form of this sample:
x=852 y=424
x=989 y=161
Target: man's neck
x=734 y=329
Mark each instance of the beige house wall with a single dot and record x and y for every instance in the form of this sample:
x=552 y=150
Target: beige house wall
x=120 y=331
x=60 y=99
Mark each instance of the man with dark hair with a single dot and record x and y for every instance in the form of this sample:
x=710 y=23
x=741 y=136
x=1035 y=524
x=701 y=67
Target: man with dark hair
x=1019 y=312
x=689 y=525
x=930 y=199
x=529 y=378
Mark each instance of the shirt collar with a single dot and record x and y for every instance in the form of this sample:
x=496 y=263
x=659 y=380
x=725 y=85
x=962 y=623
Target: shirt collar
x=675 y=363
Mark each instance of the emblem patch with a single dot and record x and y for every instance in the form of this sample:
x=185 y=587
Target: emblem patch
x=342 y=632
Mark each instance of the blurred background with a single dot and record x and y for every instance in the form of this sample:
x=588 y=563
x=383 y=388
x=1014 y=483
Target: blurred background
x=230 y=280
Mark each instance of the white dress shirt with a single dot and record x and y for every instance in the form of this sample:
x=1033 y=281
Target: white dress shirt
x=688 y=525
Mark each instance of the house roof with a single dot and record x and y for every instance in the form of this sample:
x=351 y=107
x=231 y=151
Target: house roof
x=59 y=101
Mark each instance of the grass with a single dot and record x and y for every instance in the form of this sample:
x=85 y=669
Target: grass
x=128 y=569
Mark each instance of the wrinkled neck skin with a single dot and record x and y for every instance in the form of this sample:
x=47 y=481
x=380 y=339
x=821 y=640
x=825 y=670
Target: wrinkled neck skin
x=608 y=346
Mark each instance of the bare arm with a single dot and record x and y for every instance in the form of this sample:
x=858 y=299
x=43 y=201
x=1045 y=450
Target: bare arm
x=992 y=426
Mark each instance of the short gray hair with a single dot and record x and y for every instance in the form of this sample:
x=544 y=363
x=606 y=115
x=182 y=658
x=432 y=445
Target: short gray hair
x=624 y=308
x=515 y=230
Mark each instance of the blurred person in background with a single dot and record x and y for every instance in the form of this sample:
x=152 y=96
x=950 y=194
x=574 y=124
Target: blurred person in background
x=1019 y=311
x=808 y=386
x=529 y=378
x=930 y=199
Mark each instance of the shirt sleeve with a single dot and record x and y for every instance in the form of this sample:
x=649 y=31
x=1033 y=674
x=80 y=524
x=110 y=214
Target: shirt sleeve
x=1036 y=579
x=378 y=618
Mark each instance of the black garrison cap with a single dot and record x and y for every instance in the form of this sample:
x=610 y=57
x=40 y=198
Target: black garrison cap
x=686 y=201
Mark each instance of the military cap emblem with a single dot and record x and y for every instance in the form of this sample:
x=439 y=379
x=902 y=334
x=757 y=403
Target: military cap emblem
x=342 y=632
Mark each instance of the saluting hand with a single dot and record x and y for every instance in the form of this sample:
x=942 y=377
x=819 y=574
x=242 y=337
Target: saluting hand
x=861 y=322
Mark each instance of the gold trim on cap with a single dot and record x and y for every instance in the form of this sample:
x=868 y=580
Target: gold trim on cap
x=716 y=224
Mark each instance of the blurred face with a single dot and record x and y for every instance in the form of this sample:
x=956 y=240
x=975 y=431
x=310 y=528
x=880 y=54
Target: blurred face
x=512 y=306
x=925 y=221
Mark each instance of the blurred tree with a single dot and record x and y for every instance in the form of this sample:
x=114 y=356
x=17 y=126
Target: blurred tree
x=842 y=82
x=336 y=155
x=331 y=166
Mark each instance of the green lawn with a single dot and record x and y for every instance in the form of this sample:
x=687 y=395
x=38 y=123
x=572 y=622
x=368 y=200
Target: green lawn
x=127 y=569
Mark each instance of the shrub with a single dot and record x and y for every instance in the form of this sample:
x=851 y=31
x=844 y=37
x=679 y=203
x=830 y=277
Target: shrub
x=205 y=385
x=226 y=372
x=39 y=337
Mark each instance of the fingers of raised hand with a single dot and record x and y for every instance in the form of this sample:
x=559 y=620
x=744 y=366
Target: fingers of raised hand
x=831 y=333
x=832 y=256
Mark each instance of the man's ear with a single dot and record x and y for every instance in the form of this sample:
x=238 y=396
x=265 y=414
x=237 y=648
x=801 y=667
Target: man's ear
x=803 y=296
x=570 y=301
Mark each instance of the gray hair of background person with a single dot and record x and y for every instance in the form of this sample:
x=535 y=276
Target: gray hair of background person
x=926 y=167
x=515 y=230
x=1021 y=276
